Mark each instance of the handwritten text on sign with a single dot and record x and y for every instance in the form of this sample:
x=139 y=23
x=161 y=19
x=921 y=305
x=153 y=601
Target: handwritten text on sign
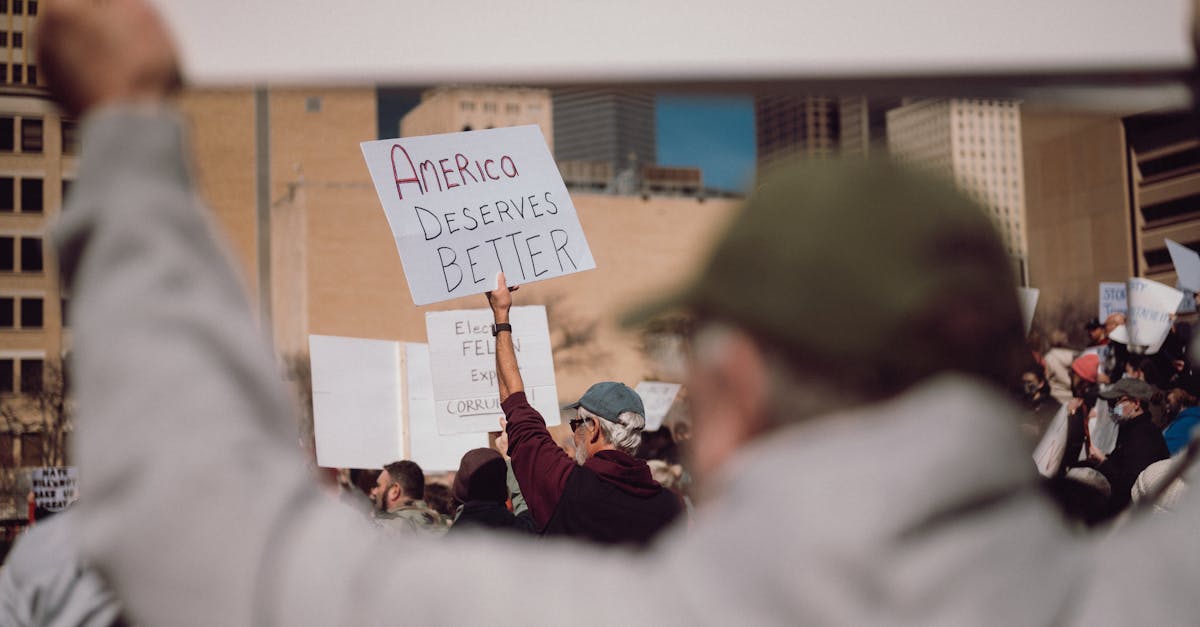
x=1151 y=307
x=464 y=206
x=54 y=488
x=1112 y=299
x=462 y=356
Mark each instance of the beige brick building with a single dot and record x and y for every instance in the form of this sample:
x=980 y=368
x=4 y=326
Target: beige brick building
x=458 y=108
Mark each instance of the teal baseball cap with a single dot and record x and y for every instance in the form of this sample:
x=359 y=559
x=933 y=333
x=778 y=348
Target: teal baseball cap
x=609 y=399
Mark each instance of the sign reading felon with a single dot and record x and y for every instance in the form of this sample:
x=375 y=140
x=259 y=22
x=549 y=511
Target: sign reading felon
x=464 y=206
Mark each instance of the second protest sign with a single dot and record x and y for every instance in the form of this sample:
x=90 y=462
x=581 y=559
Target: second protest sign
x=462 y=355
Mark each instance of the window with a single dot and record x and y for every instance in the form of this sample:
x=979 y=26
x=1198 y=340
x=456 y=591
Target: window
x=31 y=75
x=31 y=195
x=18 y=7
x=31 y=128
x=8 y=314
x=489 y=107
x=6 y=193
x=312 y=104
x=18 y=40
x=8 y=258
x=3 y=38
x=3 y=6
x=70 y=137
x=33 y=7
x=7 y=143
x=467 y=105
x=512 y=107
x=31 y=316
x=66 y=190
x=31 y=449
x=7 y=460
x=3 y=73
x=6 y=376
x=31 y=376
x=31 y=254
x=65 y=308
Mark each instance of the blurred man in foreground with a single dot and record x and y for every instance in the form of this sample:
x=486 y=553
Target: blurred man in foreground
x=862 y=287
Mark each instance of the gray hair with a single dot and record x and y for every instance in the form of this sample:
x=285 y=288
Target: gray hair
x=626 y=436
x=795 y=393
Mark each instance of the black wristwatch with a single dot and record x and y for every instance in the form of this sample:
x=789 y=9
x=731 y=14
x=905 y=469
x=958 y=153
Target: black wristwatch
x=503 y=326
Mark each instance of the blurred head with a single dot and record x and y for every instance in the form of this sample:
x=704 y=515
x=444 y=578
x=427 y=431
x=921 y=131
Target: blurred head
x=1096 y=332
x=839 y=284
x=1178 y=399
x=1033 y=383
x=1058 y=339
x=398 y=483
x=482 y=476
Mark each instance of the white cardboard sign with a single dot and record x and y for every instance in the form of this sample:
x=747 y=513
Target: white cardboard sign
x=1151 y=305
x=1048 y=454
x=1103 y=429
x=464 y=206
x=1187 y=265
x=657 y=397
x=55 y=488
x=373 y=405
x=1029 y=299
x=1112 y=300
x=462 y=355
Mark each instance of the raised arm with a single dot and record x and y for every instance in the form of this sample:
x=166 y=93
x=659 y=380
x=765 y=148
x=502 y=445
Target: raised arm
x=508 y=375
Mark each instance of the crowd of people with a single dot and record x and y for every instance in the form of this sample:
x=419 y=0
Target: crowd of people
x=1126 y=413
x=857 y=455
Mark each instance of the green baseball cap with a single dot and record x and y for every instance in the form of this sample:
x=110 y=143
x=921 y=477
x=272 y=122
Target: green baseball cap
x=869 y=270
x=610 y=399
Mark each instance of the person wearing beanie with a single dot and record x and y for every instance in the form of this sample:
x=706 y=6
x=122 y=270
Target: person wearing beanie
x=481 y=485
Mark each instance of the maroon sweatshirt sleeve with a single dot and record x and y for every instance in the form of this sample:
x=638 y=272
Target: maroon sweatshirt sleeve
x=540 y=466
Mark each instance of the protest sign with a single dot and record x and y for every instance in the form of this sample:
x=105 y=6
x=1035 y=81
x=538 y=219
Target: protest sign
x=54 y=488
x=1029 y=299
x=1187 y=265
x=1048 y=454
x=1188 y=304
x=462 y=355
x=1112 y=300
x=433 y=451
x=464 y=206
x=1103 y=428
x=658 y=398
x=373 y=405
x=1151 y=306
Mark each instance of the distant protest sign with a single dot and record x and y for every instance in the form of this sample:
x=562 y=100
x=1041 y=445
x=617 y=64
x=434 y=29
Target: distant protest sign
x=658 y=397
x=1187 y=265
x=55 y=488
x=1028 y=297
x=464 y=206
x=1112 y=300
x=462 y=355
x=1151 y=307
x=373 y=405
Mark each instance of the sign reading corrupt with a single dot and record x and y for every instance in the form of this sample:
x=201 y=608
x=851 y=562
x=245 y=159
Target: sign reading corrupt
x=464 y=206
x=462 y=355
x=54 y=488
x=1112 y=300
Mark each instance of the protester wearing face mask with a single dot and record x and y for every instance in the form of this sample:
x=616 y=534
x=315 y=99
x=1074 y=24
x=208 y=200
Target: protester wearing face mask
x=1139 y=442
x=1181 y=417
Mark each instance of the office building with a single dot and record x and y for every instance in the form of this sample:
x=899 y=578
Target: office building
x=795 y=125
x=459 y=108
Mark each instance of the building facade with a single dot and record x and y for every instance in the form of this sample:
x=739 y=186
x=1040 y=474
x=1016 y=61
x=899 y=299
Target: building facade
x=785 y=126
x=977 y=144
x=458 y=108
x=611 y=126
x=862 y=125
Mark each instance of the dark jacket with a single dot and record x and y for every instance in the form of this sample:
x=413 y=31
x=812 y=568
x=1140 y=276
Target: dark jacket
x=1139 y=444
x=483 y=515
x=611 y=499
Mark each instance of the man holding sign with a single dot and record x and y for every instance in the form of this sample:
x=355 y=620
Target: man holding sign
x=604 y=494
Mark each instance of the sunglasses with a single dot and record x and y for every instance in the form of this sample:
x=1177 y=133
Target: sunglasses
x=576 y=423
